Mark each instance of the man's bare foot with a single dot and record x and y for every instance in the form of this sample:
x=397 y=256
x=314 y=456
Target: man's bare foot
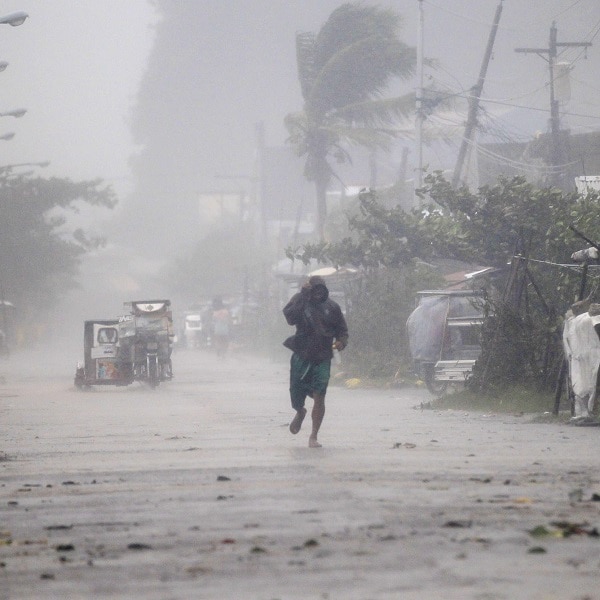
x=297 y=421
x=312 y=442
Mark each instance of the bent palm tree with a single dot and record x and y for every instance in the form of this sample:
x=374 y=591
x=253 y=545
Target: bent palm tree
x=343 y=71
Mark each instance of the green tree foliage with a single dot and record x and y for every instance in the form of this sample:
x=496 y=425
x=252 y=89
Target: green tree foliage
x=343 y=72
x=39 y=254
x=511 y=215
x=522 y=340
x=378 y=236
x=514 y=217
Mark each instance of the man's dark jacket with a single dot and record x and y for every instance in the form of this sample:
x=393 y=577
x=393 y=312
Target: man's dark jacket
x=317 y=323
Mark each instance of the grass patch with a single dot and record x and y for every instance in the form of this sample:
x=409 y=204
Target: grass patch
x=513 y=400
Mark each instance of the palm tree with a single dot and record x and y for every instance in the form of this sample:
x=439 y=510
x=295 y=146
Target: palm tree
x=343 y=71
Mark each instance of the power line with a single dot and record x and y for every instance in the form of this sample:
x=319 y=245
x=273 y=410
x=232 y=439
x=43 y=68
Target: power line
x=524 y=166
x=502 y=103
x=566 y=9
x=501 y=130
x=586 y=84
x=595 y=30
x=470 y=19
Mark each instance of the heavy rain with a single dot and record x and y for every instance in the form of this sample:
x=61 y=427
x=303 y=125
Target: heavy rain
x=299 y=299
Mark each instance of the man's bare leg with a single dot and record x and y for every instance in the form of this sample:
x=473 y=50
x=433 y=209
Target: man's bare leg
x=296 y=423
x=318 y=412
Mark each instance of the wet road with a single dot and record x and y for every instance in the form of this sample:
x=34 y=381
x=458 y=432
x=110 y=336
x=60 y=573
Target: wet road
x=198 y=490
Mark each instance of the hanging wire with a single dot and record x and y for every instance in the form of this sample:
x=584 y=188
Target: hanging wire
x=586 y=84
x=546 y=169
x=470 y=19
x=541 y=88
x=592 y=36
x=564 y=10
x=575 y=267
x=492 y=125
x=546 y=110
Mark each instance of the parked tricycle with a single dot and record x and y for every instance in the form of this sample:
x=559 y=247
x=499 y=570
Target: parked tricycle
x=444 y=336
x=133 y=347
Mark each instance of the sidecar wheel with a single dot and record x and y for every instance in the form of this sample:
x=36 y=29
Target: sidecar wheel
x=437 y=388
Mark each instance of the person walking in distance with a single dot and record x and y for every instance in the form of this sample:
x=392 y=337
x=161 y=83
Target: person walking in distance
x=221 y=326
x=320 y=328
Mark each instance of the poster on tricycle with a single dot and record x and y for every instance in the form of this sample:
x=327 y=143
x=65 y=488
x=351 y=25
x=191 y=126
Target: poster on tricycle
x=106 y=369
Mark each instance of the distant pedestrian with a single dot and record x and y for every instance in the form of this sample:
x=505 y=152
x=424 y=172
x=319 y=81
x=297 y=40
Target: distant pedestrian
x=319 y=321
x=221 y=326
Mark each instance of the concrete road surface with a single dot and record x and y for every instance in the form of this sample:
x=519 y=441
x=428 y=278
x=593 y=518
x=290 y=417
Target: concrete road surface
x=197 y=490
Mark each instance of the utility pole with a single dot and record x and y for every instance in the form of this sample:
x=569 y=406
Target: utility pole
x=259 y=131
x=420 y=116
x=556 y=154
x=474 y=100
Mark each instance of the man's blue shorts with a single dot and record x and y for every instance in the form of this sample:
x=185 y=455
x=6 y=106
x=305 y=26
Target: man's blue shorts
x=306 y=379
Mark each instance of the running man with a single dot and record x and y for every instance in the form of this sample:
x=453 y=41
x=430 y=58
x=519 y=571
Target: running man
x=320 y=328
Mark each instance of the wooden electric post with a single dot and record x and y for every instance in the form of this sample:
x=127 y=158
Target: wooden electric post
x=551 y=52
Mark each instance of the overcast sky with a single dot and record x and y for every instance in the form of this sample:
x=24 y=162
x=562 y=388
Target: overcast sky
x=76 y=66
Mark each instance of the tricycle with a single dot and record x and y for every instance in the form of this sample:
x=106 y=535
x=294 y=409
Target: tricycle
x=444 y=336
x=135 y=346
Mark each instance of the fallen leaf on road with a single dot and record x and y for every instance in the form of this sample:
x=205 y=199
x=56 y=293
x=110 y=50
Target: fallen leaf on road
x=575 y=529
x=138 y=546
x=458 y=524
x=541 y=531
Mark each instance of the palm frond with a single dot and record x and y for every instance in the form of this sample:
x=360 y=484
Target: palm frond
x=350 y=23
x=344 y=71
x=363 y=136
x=358 y=72
x=305 y=59
x=383 y=111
